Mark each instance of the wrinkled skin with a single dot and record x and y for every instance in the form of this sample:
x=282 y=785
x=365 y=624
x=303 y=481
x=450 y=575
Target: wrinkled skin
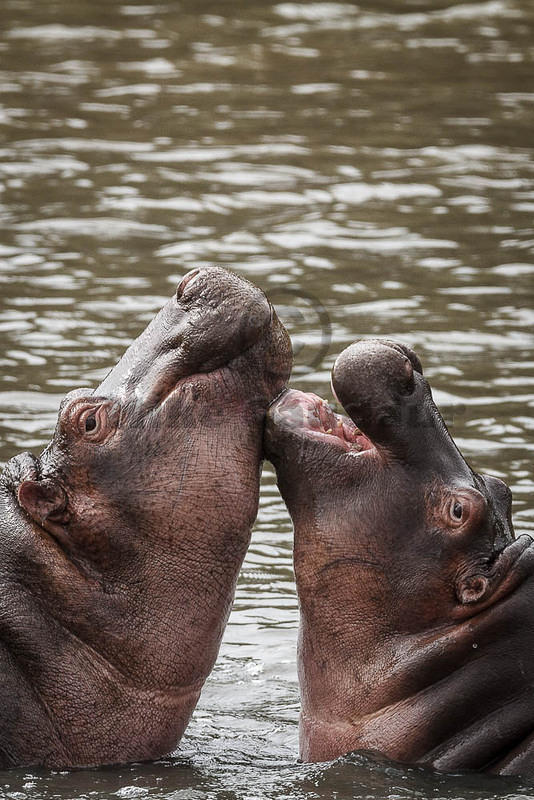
x=417 y=603
x=122 y=542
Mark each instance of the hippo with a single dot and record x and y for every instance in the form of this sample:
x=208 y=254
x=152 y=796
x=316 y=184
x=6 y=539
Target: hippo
x=121 y=543
x=416 y=635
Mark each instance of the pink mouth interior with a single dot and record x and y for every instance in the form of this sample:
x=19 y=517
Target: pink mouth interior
x=313 y=415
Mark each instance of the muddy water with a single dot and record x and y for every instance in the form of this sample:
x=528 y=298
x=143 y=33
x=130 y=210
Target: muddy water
x=370 y=166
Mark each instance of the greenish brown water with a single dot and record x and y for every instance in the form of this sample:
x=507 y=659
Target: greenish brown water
x=371 y=165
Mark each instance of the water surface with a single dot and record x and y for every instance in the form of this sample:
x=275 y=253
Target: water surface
x=369 y=165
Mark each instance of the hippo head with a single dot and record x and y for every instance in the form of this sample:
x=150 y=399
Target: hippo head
x=400 y=547
x=167 y=449
x=387 y=496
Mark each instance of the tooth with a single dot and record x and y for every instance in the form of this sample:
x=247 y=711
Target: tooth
x=329 y=430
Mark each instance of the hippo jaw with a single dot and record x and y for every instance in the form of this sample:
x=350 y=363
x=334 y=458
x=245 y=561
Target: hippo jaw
x=307 y=416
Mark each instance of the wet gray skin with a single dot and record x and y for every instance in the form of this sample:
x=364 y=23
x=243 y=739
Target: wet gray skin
x=417 y=603
x=122 y=542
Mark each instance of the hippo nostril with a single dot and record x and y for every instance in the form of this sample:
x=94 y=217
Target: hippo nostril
x=409 y=377
x=186 y=281
x=406 y=351
x=472 y=589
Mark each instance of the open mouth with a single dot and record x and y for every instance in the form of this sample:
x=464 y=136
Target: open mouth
x=311 y=416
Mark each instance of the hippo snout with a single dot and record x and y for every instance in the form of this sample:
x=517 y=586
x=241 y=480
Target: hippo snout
x=234 y=312
x=213 y=318
x=376 y=382
x=372 y=373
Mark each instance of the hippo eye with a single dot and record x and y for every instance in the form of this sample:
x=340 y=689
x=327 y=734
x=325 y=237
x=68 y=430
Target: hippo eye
x=457 y=509
x=95 y=424
x=90 y=419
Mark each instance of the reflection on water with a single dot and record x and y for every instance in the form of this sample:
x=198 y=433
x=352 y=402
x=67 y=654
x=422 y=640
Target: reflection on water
x=370 y=162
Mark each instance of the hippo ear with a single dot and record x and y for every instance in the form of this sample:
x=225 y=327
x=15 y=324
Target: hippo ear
x=44 y=501
x=473 y=589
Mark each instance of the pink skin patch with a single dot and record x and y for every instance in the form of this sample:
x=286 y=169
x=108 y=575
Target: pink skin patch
x=312 y=416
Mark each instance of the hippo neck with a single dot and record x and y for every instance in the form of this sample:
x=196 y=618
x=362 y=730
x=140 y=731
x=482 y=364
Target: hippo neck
x=58 y=646
x=456 y=697
x=145 y=628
